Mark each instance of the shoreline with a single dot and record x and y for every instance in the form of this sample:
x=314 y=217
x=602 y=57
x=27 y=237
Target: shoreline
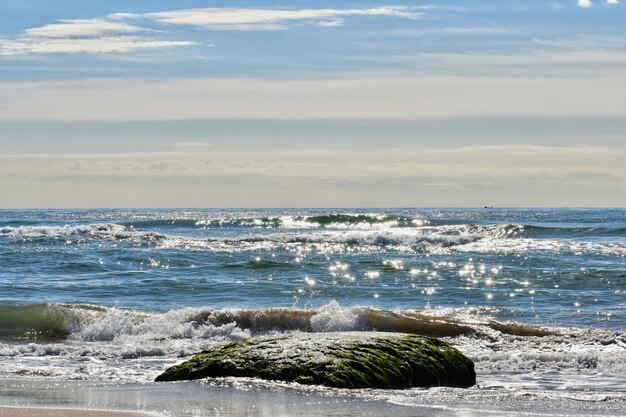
x=240 y=398
x=67 y=412
x=246 y=397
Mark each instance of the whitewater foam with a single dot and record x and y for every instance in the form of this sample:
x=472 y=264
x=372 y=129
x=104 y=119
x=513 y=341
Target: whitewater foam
x=98 y=229
x=367 y=234
x=115 y=336
x=514 y=289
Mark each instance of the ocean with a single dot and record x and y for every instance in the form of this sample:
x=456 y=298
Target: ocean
x=94 y=304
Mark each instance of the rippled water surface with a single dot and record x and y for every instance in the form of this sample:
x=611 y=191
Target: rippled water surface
x=536 y=297
x=540 y=266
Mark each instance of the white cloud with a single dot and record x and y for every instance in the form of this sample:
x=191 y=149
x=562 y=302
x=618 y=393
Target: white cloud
x=192 y=145
x=82 y=28
x=519 y=175
x=591 y=56
x=98 y=45
x=330 y=23
x=374 y=97
x=585 y=4
x=500 y=160
x=113 y=34
x=537 y=60
x=263 y=19
x=91 y=36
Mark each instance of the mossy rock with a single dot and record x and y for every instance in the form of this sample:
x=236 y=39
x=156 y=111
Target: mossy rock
x=342 y=360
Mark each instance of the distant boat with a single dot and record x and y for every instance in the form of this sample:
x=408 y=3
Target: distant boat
x=488 y=207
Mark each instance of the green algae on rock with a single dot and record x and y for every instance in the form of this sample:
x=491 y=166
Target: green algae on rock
x=342 y=360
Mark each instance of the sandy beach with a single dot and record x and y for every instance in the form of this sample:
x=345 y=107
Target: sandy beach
x=61 y=412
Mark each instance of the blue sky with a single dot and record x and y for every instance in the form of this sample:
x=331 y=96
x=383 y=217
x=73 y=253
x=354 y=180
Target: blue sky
x=152 y=39
x=117 y=98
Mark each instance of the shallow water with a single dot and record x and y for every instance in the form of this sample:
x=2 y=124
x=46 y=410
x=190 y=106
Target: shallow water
x=536 y=297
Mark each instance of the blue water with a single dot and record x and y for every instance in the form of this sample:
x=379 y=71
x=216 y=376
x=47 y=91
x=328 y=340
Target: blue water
x=535 y=266
x=536 y=297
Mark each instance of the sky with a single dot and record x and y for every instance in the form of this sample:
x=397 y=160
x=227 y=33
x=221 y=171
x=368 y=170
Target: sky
x=185 y=103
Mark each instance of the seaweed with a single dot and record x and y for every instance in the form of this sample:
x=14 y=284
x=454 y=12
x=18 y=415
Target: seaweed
x=342 y=360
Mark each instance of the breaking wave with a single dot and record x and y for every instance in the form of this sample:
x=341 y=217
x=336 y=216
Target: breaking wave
x=97 y=323
x=48 y=339
x=462 y=238
x=96 y=230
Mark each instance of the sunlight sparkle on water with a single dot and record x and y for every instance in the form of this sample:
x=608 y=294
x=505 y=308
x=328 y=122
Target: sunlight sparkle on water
x=338 y=266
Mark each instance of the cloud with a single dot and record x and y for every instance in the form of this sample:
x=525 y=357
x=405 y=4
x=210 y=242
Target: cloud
x=91 y=36
x=514 y=175
x=589 y=55
x=567 y=61
x=375 y=97
x=97 y=45
x=264 y=19
x=585 y=4
x=192 y=145
x=82 y=28
x=114 y=34
x=513 y=161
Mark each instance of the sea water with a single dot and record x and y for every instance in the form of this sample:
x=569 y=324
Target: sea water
x=105 y=300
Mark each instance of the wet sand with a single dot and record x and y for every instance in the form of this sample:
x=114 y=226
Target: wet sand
x=56 y=398
x=60 y=412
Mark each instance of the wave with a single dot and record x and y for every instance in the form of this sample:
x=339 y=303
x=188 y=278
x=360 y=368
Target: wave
x=330 y=221
x=341 y=220
x=391 y=236
x=162 y=222
x=408 y=238
x=497 y=238
x=570 y=231
x=110 y=338
x=48 y=320
x=97 y=323
x=438 y=239
x=95 y=230
x=65 y=230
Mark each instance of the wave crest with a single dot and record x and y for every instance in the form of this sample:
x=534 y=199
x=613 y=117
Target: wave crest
x=110 y=334
x=95 y=323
